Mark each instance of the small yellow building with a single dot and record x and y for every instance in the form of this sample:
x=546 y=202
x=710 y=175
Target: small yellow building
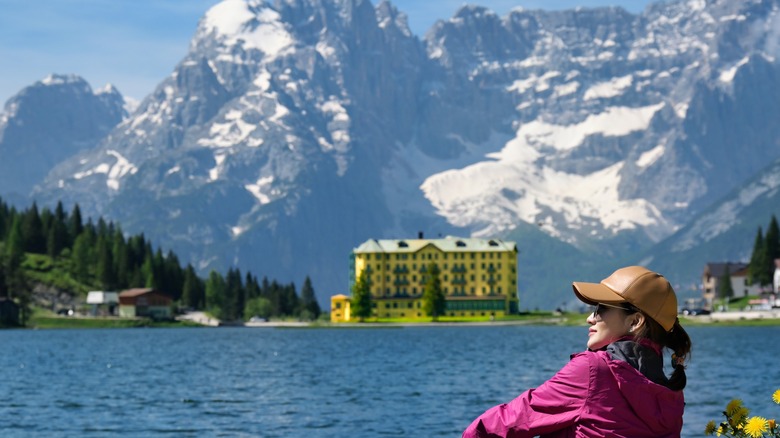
x=478 y=276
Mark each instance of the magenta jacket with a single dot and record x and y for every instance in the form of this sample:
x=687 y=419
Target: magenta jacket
x=596 y=394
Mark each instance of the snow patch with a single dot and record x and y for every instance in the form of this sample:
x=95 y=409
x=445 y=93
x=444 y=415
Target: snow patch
x=219 y=158
x=610 y=88
x=565 y=89
x=234 y=131
x=538 y=83
x=648 y=158
x=490 y=197
x=249 y=24
x=728 y=74
x=259 y=189
x=121 y=168
x=681 y=109
x=613 y=122
x=114 y=173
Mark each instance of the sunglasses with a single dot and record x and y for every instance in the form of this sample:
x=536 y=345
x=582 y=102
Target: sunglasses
x=598 y=310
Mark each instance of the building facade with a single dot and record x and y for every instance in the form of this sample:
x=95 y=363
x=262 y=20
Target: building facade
x=478 y=276
x=738 y=272
x=144 y=302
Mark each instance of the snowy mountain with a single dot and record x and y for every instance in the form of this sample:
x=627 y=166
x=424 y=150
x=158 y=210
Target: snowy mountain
x=47 y=123
x=294 y=130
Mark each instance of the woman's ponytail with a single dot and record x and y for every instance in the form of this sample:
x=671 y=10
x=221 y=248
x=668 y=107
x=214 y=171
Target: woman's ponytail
x=678 y=341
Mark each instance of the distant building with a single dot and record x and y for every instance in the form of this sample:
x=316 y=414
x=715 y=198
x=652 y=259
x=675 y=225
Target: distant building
x=776 y=278
x=713 y=273
x=146 y=302
x=339 y=308
x=103 y=302
x=9 y=312
x=478 y=276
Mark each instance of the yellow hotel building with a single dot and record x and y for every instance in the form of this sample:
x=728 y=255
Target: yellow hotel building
x=478 y=277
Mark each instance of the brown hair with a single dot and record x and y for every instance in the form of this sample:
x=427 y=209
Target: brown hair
x=676 y=340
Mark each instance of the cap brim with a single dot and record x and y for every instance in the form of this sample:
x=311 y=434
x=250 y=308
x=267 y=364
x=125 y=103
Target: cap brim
x=594 y=293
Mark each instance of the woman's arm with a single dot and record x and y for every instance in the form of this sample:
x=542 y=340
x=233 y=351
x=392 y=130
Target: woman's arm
x=554 y=405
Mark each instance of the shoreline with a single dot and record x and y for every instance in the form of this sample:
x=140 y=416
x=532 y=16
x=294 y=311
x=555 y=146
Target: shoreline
x=200 y=319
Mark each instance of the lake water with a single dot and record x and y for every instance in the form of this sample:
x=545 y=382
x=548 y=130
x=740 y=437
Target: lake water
x=374 y=382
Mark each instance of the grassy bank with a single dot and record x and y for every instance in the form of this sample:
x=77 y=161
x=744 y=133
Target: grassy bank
x=42 y=319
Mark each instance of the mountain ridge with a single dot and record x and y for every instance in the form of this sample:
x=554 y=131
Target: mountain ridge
x=289 y=136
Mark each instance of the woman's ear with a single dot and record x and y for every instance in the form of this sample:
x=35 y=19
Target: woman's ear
x=637 y=321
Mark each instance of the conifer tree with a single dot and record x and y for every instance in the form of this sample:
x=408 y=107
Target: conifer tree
x=234 y=301
x=772 y=246
x=4 y=219
x=32 y=229
x=57 y=238
x=360 y=304
x=14 y=247
x=290 y=300
x=725 y=288
x=215 y=293
x=173 y=276
x=16 y=286
x=433 y=300
x=121 y=252
x=311 y=308
x=757 y=259
x=105 y=263
x=80 y=257
x=193 y=292
x=75 y=223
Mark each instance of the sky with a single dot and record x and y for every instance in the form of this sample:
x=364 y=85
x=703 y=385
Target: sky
x=135 y=44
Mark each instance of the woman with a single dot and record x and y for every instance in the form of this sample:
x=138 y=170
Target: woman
x=617 y=388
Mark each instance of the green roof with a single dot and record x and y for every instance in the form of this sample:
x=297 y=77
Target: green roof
x=447 y=244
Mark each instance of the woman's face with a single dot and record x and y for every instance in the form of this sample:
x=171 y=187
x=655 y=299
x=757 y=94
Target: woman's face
x=607 y=324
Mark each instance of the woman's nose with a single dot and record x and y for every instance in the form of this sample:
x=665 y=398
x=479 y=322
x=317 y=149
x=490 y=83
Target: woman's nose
x=592 y=319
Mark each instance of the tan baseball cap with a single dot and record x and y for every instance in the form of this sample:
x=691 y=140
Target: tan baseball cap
x=646 y=290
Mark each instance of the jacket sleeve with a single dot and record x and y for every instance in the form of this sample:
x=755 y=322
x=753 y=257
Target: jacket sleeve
x=555 y=405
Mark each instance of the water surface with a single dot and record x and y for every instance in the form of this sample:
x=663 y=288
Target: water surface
x=418 y=381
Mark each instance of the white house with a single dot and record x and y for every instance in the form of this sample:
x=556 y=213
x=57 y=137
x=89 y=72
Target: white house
x=104 y=301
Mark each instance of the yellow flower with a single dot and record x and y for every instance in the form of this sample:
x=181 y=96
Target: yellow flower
x=739 y=416
x=776 y=397
x=733 y=406
x=756 y=426
x=709 y=429
x=772 y=424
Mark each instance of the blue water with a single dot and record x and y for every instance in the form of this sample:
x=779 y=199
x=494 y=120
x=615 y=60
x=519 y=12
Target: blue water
x=264 y=382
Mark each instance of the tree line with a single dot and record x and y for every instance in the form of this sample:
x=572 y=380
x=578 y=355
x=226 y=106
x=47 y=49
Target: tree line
x=100 y=256
x=766 y=249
